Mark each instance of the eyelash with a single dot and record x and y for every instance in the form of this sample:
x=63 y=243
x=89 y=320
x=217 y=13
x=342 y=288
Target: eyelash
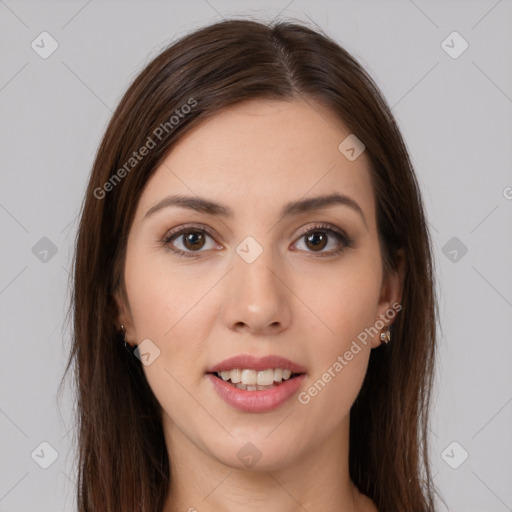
x=345 y=241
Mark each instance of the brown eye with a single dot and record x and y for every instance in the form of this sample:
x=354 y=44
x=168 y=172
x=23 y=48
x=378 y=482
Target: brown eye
x=316 y=240
x=322 y=235
x=193 y=240
x=188 y=241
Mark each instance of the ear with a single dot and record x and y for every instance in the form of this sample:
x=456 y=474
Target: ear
x=391 y=294
x=123 y=316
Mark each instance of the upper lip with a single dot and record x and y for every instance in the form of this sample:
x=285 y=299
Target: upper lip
x=246 y=361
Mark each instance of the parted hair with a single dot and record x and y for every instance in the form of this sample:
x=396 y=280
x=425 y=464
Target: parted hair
x=122 y=461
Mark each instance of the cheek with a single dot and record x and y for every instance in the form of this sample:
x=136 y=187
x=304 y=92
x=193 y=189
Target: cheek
x=339 y=359
x=166 y=299
x=172 y=308
x=330 y=393
x=175 y=307
x=341 y=302
x=341 y=349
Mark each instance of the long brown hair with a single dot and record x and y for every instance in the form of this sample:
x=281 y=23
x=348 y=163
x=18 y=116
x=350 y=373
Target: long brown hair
x=122 y=459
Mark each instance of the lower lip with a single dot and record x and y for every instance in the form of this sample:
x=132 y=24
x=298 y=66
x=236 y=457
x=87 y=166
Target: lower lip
x=256 y=401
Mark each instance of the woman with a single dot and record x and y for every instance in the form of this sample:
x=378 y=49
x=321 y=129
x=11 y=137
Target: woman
x=254 y=304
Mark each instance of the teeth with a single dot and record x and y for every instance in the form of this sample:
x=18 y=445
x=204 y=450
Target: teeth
x=236 y=376
x=249 y=379
x=265 y=378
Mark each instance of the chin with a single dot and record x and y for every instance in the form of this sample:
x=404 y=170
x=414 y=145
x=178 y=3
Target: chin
x=257 y=452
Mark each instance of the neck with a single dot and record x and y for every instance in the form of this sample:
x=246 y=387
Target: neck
x=316 y=481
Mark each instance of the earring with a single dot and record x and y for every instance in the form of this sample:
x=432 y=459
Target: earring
x=122 y=335
x=385 y=336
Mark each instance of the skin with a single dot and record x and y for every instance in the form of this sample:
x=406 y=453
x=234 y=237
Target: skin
x=255 y=157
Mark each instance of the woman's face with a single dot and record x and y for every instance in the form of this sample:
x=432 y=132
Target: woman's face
x=263 y=273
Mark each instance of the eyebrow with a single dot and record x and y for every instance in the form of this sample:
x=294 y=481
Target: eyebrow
x=293 y=208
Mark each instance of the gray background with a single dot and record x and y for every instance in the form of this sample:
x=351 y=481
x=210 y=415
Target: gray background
x=455 y=114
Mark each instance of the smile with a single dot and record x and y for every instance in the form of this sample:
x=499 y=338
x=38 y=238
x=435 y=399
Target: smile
x=252 y=380
x=252 y=383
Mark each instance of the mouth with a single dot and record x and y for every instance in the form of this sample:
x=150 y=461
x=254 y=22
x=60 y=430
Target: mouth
x=248 y=379
x=256 y=384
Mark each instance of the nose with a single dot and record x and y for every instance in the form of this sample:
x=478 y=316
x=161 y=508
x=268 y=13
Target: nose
x=257 y=296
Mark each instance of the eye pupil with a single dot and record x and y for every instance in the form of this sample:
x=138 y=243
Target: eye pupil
x=192 y=238
x=313 y=238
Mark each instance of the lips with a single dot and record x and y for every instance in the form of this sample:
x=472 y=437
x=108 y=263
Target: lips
x=246 y=361
x=255 y=397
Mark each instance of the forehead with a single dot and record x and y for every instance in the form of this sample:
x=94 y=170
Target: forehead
x=263 y=153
